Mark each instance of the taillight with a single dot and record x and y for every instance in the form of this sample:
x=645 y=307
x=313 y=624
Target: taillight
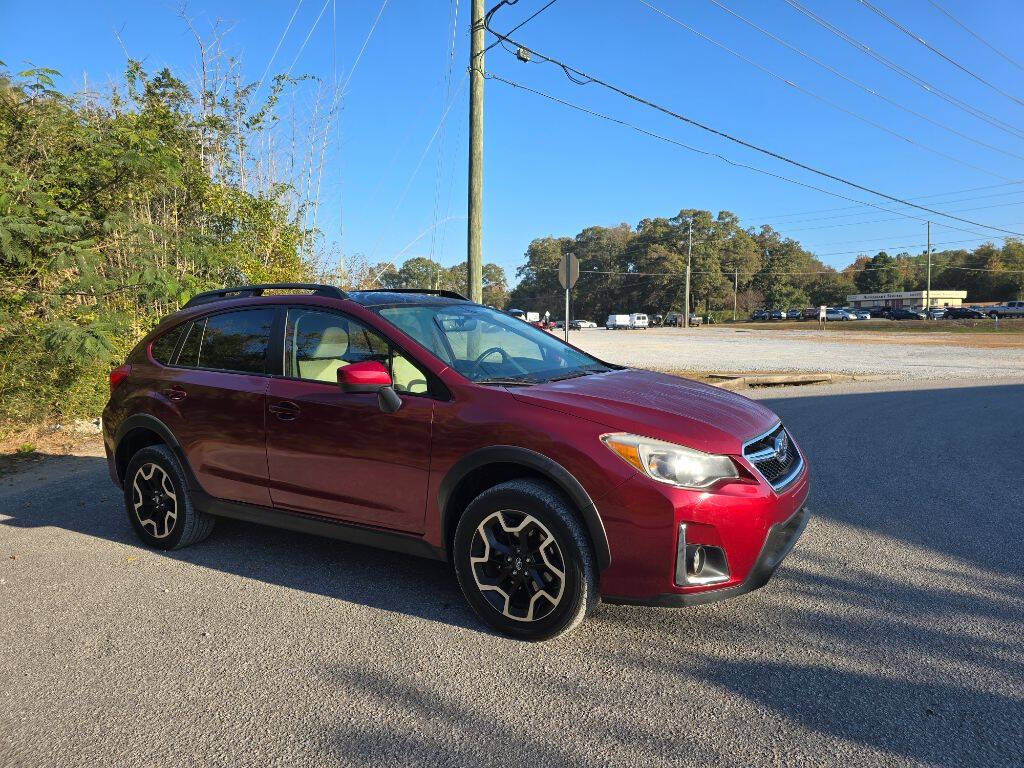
x=118 y=375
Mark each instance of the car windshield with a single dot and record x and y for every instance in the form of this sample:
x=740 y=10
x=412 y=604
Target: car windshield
x=490 y=347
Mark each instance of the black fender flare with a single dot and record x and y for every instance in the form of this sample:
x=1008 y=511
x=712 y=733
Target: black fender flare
x=153 y=424
x=544 y=465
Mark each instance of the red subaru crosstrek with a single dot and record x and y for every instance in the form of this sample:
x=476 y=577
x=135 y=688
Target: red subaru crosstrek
x=427 y=424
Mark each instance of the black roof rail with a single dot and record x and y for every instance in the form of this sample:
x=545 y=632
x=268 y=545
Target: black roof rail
x=428 y=291
x=246 y=291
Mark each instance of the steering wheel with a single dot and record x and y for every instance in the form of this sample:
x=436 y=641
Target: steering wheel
x=505 y=358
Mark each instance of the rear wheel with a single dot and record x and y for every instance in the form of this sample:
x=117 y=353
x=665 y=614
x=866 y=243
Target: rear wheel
x=524 y=561
x=158 y=503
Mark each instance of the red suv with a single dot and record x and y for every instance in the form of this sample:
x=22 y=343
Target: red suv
x=424 y=423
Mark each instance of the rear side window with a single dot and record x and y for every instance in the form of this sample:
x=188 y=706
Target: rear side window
x=235 y=341
x=163 y=346
x=189 y=355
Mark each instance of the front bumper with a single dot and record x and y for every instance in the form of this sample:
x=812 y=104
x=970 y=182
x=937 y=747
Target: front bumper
x=751 y=526
x=777 y=544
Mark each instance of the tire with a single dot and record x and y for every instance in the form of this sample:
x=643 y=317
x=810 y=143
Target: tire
x=553 y=531
x=158 y=503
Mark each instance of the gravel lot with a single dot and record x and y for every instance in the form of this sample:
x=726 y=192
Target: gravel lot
x=891 y=636
x=902 y=355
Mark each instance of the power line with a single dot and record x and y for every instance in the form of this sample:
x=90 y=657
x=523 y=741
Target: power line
x=819 y=97
x=918 y=39
x=523 y=23
x=862 y=86
x=916 y=197
x=890 y=64
x=708 y=153
x=453 y=15
x=273 y=56
x=308 y=35
x=572 y=73
x=366 y=41
x=877 y=221
x=416 y=169
x=974 y=34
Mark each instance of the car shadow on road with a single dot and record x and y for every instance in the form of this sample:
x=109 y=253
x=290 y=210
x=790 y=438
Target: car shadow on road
x=75 y=493
x=936 y=468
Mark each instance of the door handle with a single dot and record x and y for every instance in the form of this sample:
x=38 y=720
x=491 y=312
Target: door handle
x=176 y=393
x=285 y=410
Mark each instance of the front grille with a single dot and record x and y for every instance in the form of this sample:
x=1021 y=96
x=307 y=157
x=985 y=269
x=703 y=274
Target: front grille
x=775 y=457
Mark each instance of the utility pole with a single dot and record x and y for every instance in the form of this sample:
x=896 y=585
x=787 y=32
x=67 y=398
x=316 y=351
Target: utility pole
x=689 y=250
x=928 y=291
x=474 y=255
x=735 y=288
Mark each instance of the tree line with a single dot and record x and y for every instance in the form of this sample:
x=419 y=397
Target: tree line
x=643 y=270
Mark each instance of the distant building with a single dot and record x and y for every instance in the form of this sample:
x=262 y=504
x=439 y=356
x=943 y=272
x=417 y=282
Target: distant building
x=912 y=299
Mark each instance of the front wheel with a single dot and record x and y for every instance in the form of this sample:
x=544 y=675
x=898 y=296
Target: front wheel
x=524 y=561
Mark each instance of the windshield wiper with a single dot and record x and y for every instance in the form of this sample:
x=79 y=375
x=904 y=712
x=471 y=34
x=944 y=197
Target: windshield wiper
x=577 y=374
x=507 y=382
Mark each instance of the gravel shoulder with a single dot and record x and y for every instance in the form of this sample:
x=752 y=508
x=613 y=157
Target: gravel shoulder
x=905 y=356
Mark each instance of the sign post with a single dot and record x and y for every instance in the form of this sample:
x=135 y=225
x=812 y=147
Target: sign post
x=568 y=274
x=822 y=314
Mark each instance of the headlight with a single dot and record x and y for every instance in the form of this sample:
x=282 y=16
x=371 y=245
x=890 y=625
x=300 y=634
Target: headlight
x=671 y=463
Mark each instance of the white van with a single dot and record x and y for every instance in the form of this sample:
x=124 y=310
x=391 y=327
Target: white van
x=617 y=321
x=638 y=320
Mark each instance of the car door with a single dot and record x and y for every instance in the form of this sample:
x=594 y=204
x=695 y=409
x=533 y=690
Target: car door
x=217 y=387
x=337 y=454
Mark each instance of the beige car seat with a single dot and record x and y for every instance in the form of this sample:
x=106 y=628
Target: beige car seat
x=406 y=377
x=326 y=359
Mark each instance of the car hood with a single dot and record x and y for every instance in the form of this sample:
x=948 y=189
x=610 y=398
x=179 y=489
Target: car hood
x=656 y=405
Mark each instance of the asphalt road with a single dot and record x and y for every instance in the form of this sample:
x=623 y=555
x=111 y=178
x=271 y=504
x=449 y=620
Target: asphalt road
x=893 y=635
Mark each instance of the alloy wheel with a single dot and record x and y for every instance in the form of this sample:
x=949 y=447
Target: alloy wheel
x=154 y=502
x=517 y=565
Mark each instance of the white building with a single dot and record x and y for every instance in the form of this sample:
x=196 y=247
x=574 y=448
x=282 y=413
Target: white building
x=912 y=299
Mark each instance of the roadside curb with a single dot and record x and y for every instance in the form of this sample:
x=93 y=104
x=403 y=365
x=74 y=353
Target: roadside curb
x=744 y=380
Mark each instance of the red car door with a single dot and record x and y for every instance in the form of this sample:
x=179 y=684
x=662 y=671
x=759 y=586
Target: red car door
x=337 y=454
x=218 y=388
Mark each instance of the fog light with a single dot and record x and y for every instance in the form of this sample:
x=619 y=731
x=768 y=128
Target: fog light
x=698 y=564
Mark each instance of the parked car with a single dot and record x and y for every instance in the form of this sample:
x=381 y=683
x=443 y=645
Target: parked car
x=792 y=314
x=936 y=313
x=657 y=320
x=586 y=323
x=1009 y=309
x=861 y=314
x=965 y=313
x=906 y=313
x=879 y=312
x=639 y=321
x=616 y=322
x=421 y=422
x=759 y=314
x=776 y=314
x=809 y=313
x=675 y=319
x=833 y=313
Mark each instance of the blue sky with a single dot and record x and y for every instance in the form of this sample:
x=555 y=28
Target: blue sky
x=551 y=170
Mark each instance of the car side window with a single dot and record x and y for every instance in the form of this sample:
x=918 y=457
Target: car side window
x=318 y=343
x=164 y=345
x=189 y=354
x=233 y=341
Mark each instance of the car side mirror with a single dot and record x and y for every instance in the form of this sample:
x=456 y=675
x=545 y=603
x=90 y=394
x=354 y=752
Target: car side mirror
x=370 y=376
